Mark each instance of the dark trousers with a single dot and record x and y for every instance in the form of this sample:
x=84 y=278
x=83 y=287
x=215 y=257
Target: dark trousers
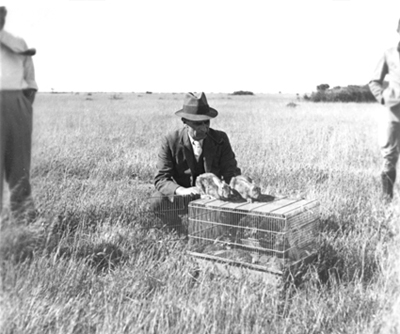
x=171 y=209
x=15 y=150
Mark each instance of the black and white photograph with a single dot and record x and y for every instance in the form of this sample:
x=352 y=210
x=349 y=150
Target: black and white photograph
x=199 y=167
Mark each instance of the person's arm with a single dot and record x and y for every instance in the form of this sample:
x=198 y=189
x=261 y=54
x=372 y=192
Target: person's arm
x=182 y=191
x=228 y=163
x=15 y=44
x=29 y=77
x=376 y=84
x=164 y=181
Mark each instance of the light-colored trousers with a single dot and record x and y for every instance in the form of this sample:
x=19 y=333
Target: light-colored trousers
x=390 y=139
x=15 y=149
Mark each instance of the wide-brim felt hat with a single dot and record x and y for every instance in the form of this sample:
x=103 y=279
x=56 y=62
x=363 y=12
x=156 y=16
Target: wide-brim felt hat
x=196 y=108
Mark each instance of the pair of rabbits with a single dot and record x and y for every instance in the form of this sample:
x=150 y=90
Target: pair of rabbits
x=239 y=187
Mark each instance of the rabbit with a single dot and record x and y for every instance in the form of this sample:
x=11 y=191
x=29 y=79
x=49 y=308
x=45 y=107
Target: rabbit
x=211 y=185
x=245 y=186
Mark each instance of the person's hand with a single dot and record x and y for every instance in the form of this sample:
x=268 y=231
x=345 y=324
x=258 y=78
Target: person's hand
x=182 y=191
x=30 y=94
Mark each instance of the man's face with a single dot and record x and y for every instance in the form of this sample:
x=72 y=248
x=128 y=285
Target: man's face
x=3 y=14
x=198 y=129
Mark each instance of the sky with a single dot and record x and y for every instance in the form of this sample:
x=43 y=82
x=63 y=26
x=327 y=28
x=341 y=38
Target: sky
x=218 y=46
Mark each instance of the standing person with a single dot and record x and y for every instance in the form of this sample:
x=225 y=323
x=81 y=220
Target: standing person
x=17 y=93
x=389 y=97
x=186 y=153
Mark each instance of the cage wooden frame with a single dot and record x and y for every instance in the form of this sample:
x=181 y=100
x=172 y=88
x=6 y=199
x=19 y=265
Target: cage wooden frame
x=218 y=224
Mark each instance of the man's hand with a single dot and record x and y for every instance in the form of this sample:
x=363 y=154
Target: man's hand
x=182 y=191
x=30 y=94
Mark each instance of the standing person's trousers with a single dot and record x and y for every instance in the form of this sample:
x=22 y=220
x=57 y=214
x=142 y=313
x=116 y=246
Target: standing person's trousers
x=390 y=145
x=15 y=150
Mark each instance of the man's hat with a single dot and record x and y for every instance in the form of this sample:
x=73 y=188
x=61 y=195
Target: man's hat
x=196 y=108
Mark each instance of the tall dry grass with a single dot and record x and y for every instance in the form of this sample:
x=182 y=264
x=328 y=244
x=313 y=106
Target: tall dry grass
x=92 y=263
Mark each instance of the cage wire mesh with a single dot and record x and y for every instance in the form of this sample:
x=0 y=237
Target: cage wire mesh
x=169 y=213
x=274 y=235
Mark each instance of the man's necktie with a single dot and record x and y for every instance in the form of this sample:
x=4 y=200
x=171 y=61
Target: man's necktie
x=197 y=149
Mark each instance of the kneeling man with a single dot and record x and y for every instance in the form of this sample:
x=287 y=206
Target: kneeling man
x=186 y=153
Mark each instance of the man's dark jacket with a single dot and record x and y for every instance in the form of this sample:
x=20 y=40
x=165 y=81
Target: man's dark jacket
x=176 y=162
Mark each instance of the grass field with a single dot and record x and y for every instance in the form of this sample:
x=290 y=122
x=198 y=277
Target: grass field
x=89 y=266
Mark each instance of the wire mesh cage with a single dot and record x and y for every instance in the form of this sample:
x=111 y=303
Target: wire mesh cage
x=274 y=235
x=170 y=213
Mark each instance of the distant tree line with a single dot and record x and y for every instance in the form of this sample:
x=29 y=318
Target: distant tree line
x=242 y=92
x=351 y=93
